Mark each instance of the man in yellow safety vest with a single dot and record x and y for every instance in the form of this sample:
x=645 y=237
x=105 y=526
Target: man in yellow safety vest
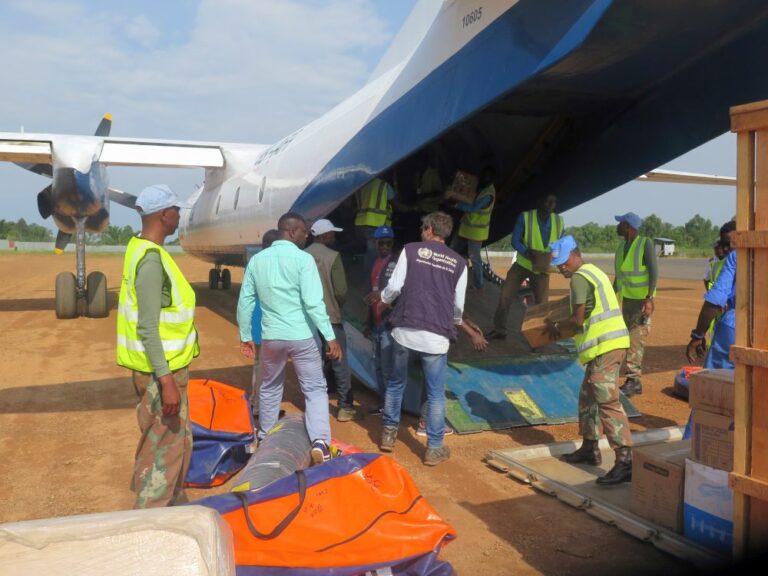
x=374 y=209
x=635 y=283
x=534 y=232
x=157 y=340
x=602 y=339
x=474 y=226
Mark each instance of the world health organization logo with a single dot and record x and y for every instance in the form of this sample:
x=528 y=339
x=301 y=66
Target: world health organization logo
x=425 y=253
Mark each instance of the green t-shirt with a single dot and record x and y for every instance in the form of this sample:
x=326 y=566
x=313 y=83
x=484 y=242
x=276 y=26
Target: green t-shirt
x=153 y=292
x=582 y=292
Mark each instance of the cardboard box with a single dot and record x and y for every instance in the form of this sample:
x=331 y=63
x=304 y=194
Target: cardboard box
x=540 y=262
x=463 y=188
x=712 y=439
x=535 y=320
x=711 y=390
x=658 y=473
x=708 y=507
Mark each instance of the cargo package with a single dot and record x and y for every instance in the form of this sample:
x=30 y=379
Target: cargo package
x=658 y=480
x=708 y=507
x=712 y=439
x=711 y=390
x=535 y=320
x=540 y=261
x=463 y=188
x=176 y=541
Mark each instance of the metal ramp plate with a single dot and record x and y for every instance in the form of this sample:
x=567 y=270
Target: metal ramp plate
x=540 y=467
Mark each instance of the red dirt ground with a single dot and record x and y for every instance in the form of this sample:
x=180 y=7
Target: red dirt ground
x=68 y=429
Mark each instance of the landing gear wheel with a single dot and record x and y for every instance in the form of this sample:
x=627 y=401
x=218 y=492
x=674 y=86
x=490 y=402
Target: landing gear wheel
x=96 y=296
x=66 y=295
x=226 y=279
x=213 y=278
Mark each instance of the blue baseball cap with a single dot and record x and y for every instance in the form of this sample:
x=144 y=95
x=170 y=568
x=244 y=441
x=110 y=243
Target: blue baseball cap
x=630 y=218
x=383 y=232
x=158 y=197
x=561 y=249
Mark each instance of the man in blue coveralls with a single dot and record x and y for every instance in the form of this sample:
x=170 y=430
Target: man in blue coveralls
x=721 y=298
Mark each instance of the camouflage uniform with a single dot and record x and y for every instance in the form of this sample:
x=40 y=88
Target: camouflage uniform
x=599 y=406
x=165 y=447
x=639 y=328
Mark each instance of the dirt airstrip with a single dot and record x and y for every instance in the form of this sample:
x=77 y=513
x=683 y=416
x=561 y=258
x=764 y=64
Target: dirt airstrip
x=68 y=428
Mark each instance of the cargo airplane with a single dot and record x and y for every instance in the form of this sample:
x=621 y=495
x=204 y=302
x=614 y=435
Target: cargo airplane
x=570 y=97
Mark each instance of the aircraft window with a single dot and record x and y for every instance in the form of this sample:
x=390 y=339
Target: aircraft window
x=237 y=197
x=218 y=201
x=261 y=190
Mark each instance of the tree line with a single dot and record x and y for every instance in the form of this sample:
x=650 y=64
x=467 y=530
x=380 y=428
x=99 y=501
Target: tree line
x=21 y=231
x=698 y=234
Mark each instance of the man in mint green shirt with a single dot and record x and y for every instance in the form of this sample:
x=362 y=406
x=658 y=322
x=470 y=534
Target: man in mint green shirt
x=285 y=281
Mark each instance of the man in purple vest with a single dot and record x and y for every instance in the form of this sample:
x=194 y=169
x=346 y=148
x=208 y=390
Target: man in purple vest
x=430 y=280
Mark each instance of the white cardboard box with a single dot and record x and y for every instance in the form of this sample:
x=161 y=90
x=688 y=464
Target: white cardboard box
x=708 y=507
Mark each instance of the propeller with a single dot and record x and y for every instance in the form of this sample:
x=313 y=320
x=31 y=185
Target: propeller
x=62 y=239
x=45 y=196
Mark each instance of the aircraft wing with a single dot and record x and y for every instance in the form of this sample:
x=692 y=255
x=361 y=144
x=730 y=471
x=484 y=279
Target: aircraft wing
x=81 y=151
x=675 y=177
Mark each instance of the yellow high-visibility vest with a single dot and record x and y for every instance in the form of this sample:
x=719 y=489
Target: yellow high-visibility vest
x=604 y=328
x=532 y=235
x=475 y=225
x=715 y=269
x=632 y=277
x=177 y=327
x=373 y=207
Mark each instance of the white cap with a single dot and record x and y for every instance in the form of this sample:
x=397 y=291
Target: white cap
x=158 y=197
x=322 y=226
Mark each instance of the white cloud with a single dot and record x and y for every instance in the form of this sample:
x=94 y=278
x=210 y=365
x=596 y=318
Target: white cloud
x=244 y=71
x=141 y=30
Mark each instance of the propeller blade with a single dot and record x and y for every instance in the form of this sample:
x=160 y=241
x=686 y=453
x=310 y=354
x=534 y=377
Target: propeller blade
x=44 y=203
x=104 y=126
x=122 y=198
x=62 y=239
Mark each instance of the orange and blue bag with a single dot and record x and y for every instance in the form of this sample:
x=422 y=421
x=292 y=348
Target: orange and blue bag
x=222 y=429
x=351 y=515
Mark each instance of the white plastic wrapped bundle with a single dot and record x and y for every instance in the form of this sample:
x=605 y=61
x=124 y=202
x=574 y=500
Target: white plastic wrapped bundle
x=179 y=541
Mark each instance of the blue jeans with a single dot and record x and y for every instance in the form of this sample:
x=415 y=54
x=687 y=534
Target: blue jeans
x=435 y=368
x=365 y=234
x=382 y=357
x=340 y=368
x=309 y=372
x=472 y=248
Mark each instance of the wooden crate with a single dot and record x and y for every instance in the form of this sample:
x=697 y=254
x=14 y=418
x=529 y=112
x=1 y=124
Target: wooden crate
x=749 y=479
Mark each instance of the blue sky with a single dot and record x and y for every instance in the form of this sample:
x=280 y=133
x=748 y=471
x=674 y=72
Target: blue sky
x=235 y=71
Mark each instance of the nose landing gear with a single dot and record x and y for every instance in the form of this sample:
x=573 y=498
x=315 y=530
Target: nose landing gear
x=79 y=295
x=216 y=275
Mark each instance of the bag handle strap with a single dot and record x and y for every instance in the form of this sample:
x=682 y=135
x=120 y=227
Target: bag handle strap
x=285 y=521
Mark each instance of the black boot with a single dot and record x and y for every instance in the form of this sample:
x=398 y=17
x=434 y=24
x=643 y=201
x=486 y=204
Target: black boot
x=622 y=469
x=631 y=387
x=588 y=453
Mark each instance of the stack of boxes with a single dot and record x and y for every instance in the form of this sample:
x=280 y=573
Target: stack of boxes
x=708 y=510
x=683 y=486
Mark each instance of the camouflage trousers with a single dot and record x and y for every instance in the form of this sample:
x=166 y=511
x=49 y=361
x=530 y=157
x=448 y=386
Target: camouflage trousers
x=165 y=447
x=639 y=328
x=600 y=410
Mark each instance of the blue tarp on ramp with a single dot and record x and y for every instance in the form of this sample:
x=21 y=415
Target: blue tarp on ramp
x=493 y=393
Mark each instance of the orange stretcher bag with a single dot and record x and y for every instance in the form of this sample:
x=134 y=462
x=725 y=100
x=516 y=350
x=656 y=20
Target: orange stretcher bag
x=351 y=515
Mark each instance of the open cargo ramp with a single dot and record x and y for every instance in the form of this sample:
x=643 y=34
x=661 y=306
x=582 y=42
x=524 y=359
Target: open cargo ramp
x=540 y=467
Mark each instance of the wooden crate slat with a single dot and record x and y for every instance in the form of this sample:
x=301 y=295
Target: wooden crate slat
x=750 y=239
x=749 y=356
x=749 y=486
